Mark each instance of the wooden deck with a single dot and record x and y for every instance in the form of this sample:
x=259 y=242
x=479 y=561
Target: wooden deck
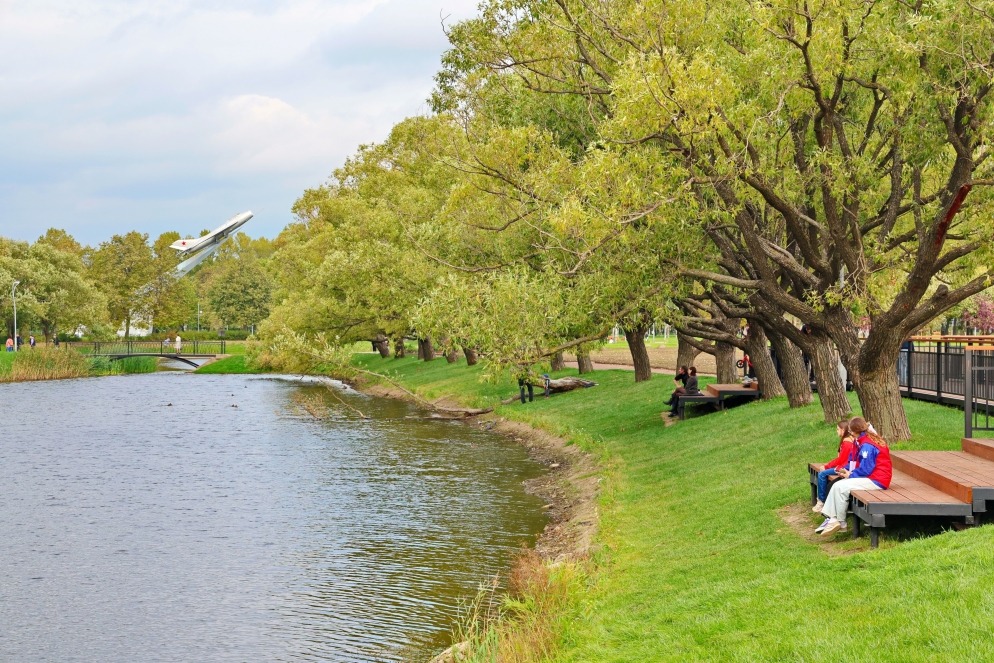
x=953 y=484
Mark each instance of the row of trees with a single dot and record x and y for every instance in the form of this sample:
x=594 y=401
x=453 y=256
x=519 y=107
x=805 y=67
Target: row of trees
x=707 y=164
x=127 y=281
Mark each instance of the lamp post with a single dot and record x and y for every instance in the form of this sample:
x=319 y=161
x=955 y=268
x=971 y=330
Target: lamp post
x=13 y=298
x=198 y=315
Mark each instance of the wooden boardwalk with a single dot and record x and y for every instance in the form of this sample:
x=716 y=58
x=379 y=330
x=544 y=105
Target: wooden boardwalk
x=951 y=484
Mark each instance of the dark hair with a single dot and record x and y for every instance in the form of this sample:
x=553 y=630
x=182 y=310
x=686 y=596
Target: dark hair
x=683 y=369
x=693 y=370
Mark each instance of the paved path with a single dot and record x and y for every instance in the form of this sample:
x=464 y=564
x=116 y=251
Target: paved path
x=601 y=366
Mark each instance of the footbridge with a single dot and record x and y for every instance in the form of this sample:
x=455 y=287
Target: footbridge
x=114 y=350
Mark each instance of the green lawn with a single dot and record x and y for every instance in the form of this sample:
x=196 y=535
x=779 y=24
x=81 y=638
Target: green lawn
x=693 y=560
x=232 y=364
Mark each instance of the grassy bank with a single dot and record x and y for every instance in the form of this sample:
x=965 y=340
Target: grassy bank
x=233 y=364
x=55 y=364
x=695 y=560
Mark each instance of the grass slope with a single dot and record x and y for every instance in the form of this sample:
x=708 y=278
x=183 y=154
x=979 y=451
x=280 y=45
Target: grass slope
x=232 y=364
x=695 y=564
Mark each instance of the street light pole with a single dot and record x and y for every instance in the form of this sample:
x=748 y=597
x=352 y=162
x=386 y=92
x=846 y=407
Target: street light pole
x=198 y=315
x=13 y=298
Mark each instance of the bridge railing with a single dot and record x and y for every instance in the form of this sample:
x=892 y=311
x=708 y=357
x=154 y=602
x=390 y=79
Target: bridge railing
x=132 y=347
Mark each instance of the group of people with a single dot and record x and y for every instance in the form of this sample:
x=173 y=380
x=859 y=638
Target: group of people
x=11 y=342
x=863 y=463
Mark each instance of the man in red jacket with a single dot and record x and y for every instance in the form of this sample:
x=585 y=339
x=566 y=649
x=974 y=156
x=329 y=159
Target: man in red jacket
x=873 y=473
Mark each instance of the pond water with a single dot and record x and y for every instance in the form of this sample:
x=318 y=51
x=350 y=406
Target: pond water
x=179 y=517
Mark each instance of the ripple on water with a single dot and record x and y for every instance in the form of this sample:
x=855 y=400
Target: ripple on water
x=132 y=530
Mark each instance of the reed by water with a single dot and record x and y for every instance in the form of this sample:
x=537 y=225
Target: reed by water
x=54 y=364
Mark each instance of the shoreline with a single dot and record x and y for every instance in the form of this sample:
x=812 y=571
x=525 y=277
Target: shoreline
x=569 y=486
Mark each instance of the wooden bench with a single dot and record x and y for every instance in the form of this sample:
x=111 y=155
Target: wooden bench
x=717 y=394
x=684 y=399
x=813 y=470
x=906 y=496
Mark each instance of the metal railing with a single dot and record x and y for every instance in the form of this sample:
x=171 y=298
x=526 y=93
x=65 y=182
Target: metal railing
x=978 y=402
x=120 y=348
x=952 y=370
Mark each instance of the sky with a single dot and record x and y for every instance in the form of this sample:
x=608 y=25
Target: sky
x=159 y=115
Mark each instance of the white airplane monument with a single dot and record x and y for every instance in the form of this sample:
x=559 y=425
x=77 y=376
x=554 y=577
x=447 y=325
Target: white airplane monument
x=195 y=250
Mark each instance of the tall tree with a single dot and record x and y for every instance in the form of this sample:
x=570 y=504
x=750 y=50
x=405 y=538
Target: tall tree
x=833 y=144
x=124 y=269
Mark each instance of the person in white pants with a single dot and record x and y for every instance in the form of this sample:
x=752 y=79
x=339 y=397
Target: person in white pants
x=837 y=502
x=873 y=472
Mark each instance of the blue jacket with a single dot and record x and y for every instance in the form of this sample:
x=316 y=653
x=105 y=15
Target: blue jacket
x=868 y=454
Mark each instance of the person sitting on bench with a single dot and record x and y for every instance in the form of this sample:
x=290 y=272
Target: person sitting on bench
x=846 y=459
x=873 y=472
x=680 y=384
x=689 y=388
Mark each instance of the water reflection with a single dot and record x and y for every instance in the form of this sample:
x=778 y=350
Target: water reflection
x=181 y=517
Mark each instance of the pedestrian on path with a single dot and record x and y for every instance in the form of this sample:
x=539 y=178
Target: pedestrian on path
x=179 y=343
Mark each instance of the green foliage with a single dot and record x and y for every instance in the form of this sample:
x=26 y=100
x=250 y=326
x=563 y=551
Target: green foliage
x=124 y=267
x=238 y=293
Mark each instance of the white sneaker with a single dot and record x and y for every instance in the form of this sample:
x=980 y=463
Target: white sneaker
x=831 y=526
x=819 y=505
x=822 y=526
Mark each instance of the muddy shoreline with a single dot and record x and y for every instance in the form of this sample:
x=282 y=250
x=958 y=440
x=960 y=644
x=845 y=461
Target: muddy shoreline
x=569 y=487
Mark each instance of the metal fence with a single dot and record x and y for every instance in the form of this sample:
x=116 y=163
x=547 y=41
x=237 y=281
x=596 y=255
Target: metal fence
x=118 y=348
x=953 y=370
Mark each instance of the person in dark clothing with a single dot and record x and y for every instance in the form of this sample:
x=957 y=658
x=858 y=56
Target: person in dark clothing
x=680 y=385
x=686 y=380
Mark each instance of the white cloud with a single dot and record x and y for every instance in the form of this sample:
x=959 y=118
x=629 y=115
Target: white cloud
x=122 y=114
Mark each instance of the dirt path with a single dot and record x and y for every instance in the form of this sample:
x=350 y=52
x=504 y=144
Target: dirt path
x=662 y=360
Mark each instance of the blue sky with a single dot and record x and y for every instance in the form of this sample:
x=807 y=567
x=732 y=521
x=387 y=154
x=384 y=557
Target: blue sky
x=156 y=115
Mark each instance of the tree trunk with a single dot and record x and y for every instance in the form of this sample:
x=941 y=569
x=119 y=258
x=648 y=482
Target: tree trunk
x=762 y=363
x=640 y=355
x=558 y=363
x=794 y=374
x=452 y=355
x=382 y=345
x=426 y=350
x=583 y=362
x=685 y=352
x=724 y=359
x=831 y=388
x=399 y=352
x=874 y=375
x=471 y=356
x=880 y=398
